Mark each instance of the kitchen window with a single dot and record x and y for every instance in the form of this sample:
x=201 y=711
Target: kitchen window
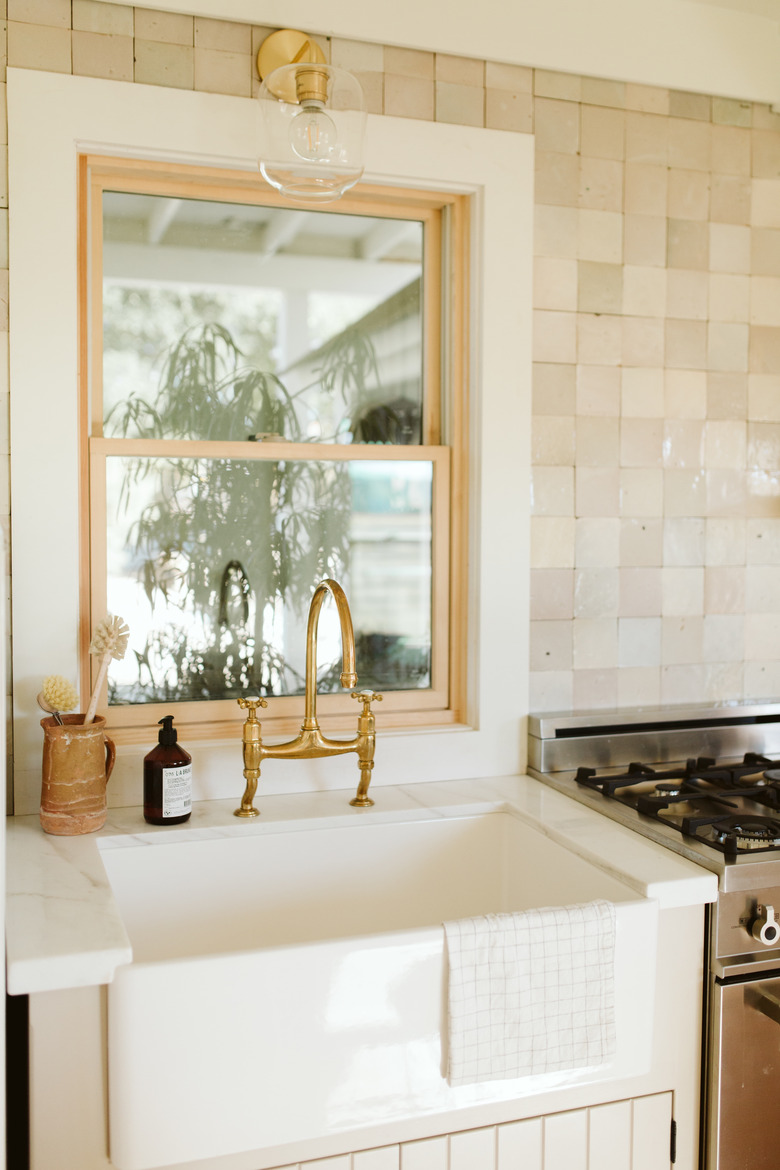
x=271 y=395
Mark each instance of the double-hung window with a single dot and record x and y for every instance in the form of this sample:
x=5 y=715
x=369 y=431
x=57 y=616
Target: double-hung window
x=271 y=395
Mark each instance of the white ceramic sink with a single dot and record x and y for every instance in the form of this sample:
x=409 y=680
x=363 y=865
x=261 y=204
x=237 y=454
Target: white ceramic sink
x=291 y=984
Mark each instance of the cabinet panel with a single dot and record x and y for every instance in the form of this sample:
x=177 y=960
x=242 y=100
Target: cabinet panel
x=566 y=1141
x=652 y=1120
x=473 y=1148
x=429 y=1154
x=520 y=1145
x=609 y=1136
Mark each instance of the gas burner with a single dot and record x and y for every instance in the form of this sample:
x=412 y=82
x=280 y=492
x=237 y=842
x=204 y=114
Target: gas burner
x=748 y=834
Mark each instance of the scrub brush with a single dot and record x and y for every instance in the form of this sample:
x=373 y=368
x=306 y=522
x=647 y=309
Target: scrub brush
x=56 y=695
x=109 y=640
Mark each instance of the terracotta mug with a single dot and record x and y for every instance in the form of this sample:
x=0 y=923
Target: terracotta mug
x=77 y=762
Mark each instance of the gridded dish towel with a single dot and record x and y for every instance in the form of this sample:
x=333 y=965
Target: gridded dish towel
x=531 y=993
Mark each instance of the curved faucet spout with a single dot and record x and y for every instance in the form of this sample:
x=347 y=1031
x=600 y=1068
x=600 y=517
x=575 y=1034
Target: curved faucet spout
x=348 y=673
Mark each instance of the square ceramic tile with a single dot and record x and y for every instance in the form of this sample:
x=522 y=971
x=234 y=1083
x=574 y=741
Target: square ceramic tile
x=725 y=540
x=51 y=13
x=596 y=593
x=595 y=689
x=597 y=442
x=727 y=346
x=517 y=78
x=552 y=440
x=37 y=46
x=725 y=443
x=639 y=641
x=639 y=686
x=643 y=341
x=764 y=350
x=690 y=144
x=729 y=248
x=595 y=643
x=688 y=244
x=724 y=589
x=599 y=340
x=761 y=588
x=683 y=591
x=509 y=110
x=602 y=92
x=601 y=184
x=102 y=55
x=459 y=70
x=555 y=283
x=765 y=300
x=685 y=394
x=409 y=63
x=551 y=645
x=556 y=126
x=602 y=133
x=763 y=446
x=688 y=194
x=408 y=96
x=552 y=491
x=682 y=639
x=730 y=199
x=763 y=541
x=730 y=150
x=764 y=397
x=553 y=388
x=598 y=390
x=685 y=492
x=642 y=393
x=551 y=84
x=556 y=178
x=597 y=542
x=552 y=594
x=599 y=287
x=765 y=154
x=647 y=138
x=550 y=691
x=732 y=112
x=557 y=231
x=552 y=542
x=687 y=293
x=727 y=492
x=644 y=291
x=554 y=336
x=640 y=592
x=762 y=637
x=646 y=189
x=600 y=236
x=682 y=684
x=173 y=28
x=764 y=199
x=641 y=442
x=764 y=252
x=645 y=240
x=641 y=492
x=357 y=56
x=462 y=105
x=726 y=395
x=684 y=541
x=650 y=99
x=641 y=542
x=597 y=491
x=229 y=36
x=99 y=17
x=683 y=104
x=729 y=297
x=723 y=637
x=686 y=344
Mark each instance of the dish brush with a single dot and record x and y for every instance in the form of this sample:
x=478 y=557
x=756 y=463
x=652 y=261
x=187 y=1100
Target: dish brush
x=56 y=695
x=109 y=640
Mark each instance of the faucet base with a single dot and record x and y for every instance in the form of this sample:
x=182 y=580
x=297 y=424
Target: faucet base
x=246 y=812
x=361 y=802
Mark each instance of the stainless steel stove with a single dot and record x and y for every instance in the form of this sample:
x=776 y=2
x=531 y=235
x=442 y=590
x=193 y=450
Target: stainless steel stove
x=705 y=782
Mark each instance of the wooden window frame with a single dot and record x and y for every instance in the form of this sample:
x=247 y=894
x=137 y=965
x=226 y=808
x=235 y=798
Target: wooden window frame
x=446 y=360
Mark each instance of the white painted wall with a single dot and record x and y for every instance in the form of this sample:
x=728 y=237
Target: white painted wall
x=676 y=43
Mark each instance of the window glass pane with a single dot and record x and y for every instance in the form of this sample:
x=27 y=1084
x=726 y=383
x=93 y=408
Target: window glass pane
x=225 y=320
x=213 y=563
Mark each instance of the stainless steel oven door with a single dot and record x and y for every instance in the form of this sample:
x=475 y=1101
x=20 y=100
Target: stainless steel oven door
x=743 y=1074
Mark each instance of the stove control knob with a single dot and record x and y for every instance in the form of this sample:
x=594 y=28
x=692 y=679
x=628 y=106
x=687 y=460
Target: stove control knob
x=765 y=928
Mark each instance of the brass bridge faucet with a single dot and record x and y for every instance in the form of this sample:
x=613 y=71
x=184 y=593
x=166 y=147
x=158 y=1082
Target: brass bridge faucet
x=310 y=743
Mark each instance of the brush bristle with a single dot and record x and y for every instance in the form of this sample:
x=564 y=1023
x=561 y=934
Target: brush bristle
x=110 y=637
x=59 y=693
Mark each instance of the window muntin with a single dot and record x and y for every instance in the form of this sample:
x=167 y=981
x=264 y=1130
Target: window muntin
x=422 y=213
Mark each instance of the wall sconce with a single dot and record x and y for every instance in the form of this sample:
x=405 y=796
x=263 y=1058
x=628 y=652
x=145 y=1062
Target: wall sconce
x=312 y=120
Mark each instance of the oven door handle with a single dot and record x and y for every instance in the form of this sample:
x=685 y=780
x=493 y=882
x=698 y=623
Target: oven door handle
x=768 y=1004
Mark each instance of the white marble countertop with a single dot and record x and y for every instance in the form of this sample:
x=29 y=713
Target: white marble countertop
x=64 y=929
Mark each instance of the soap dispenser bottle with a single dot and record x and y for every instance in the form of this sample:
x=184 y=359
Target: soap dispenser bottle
x=167 y=779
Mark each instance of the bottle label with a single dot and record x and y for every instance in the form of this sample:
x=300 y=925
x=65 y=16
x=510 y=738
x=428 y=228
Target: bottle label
x=177 y=791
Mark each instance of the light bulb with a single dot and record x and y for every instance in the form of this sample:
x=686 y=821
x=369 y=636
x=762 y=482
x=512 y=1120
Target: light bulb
x=313 y=135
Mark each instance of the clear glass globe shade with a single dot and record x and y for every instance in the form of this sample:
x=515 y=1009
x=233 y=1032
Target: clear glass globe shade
x=313 y=135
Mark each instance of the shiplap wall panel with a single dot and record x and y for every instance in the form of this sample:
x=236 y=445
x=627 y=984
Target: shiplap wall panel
x=520 y=1145
x=386 y=1158
x=609 y=1136
x=472 y=1148
x=429 y=1154
x=566 y=1141
x=652 y=1118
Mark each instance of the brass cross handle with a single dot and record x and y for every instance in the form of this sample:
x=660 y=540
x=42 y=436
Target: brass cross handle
x=366 y=698
x=251 y=705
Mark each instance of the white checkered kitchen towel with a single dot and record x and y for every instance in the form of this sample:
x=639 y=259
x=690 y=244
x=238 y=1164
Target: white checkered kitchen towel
x=532 y=992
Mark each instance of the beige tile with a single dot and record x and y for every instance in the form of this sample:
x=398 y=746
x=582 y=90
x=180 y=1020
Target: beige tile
x=764 y=350
x=731 y=112
x=764 y=300
x=226 y=35
x=598 y=391
x=595 y=688
x=642 y=393
x=600 y=236
x=409 y=97
x=765 y=117
x=552 y=440
x=725 y=443
x=687 y=244
x=764 y=203
x=462 y=105
x=645 y=240
x=599 y=340
x=684 y=492
x=682 y=684
x=557 y=231
x=103 y=55
x=726 y=492
x=171 y=27
x=52 y=13
x=555 y=284
x=729 y=297
x=646 y=186
x=261 y=32
x=557 y=178
x=556 y=126
x=509 y=110
x=762 y=584
x=764 y=252
x=683 y=443
x=685 y=393
x=357 y=56
x=730 y=150
x=640 y=592
x=639 y=686
x=763 y=446
x=515 y=78
x=725 y=540
x=459 y=70
x=552 y=594
x=641 y=492
x=688 y=194
x=639 y=641
x=603 y=133
x=600 y=287
x=689 y=105
x=3 y=115
x=601 y=184
x=690 y=144
x=726 y=395
x=599 y=92
x=761 y=491
x=596 y=593
x=730 y=199
x=684 y=541
x=729 y=248
x=557 y=85
x=643 y=342
x=554 y=336
x=34 y=46
x=723 y=640
x=686 y=344
x=724 y=589
x=552 y=492
x=597 y=491
x=727 y=347
x=597 y=442
x=641 y=442
x=163 y=63
x=373 y=86
x=647 y=138
x=551 y=690
x=765 y=153
x=551 y=645
x=597 y=542
x=644 y=291
x=220 y=72
x=410 y=63
x=650 y=99
x=641 y=542
x=553 y=388
x=552 y=542
x=99 y=17
x=687 y=293
x=763 y=404
x=763 y=541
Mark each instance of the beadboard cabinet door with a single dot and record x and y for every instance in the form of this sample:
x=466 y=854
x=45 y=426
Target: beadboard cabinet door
x=623 y=1135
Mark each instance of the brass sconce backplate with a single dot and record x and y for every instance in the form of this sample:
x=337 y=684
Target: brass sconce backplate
x=287 y=46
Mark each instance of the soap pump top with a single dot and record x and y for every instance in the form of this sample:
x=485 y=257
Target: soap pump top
x=168 y=734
